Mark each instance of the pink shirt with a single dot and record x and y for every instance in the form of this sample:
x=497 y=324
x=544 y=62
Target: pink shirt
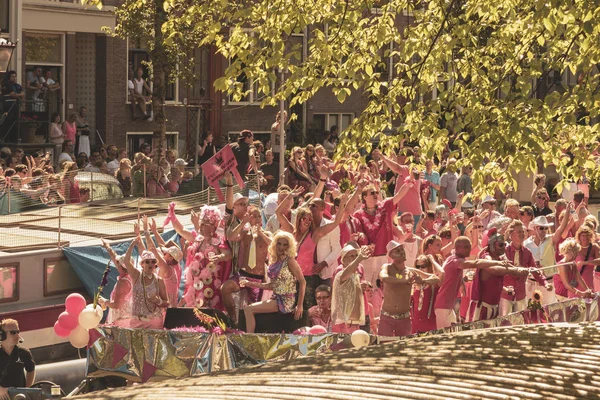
x=70 y=130
x=306 y=255
x=377 y=228
x=411 y=202
x=518 y=282
x=448 y=292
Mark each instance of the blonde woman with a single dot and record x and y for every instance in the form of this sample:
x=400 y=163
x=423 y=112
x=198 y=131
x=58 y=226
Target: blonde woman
x=283 y=274
x=297 y=173
x=124 y=176
x=568 y=282
x=70 y=185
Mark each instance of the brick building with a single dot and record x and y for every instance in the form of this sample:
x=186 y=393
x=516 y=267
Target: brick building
x=92 y=68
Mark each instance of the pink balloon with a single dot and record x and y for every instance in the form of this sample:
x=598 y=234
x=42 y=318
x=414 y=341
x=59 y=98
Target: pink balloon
x=75 y=303
x=60 y=331
x=68 y=321
x=317 y=330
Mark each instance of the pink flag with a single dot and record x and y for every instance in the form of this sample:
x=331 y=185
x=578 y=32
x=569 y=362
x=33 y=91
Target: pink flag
x=216 y=167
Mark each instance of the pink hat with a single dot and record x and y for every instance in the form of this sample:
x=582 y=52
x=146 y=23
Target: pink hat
x=147 y=255
x=173 y=251
x=211 y=214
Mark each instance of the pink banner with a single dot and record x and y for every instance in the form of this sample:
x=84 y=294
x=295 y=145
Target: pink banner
x=216 y=167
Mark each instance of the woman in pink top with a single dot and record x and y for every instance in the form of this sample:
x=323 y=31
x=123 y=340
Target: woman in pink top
x=121 y=297
x=168 y=259
x=70 y=185
x=568 y=282
x=423 y=298
x=69 y=127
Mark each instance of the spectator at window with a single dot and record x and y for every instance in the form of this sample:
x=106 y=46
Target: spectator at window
x=69 y=128
x=206 y=148
x=137 y=93
x=329 y=144
x=49 y=86
x=270 y=172
x=83 y=132
x=34 y=84
x=12 y=95
x=146 y=148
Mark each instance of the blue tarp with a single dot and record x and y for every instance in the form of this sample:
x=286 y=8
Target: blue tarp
x=89 y=263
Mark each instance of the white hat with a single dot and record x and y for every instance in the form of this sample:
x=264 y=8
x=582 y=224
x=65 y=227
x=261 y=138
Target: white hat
x=347 y=249
x=180 y=162
x=488 y=199
x=540 y=221
x=391 y=246
x=174 y=251
x=238 y=196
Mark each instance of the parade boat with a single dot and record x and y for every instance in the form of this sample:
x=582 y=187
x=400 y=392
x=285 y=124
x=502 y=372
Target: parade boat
x=37 y=272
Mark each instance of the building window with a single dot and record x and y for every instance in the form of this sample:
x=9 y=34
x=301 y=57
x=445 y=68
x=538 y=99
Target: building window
x=43 y=48
x=5 y=16
x=324 y=122
x=138 y=56
x=135 y=140
x=9 y=282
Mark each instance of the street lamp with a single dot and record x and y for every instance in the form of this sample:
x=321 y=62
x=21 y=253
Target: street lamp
x=6 y=51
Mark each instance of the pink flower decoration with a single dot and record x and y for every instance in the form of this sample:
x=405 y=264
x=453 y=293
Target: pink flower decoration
x=211 y=214
x=218 y=330
x=205 y=273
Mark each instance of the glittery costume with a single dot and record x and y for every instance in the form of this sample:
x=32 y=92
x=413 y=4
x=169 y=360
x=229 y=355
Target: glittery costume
x=345 y=297
x=284 y=286
x=121 y=316
x=144 y=313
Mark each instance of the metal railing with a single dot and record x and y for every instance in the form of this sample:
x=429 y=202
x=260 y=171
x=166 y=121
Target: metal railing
x=23 y=119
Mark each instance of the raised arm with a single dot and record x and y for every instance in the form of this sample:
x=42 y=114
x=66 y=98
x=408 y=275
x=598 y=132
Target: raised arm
x=363 y=254
x=403 y=191
x=160 y=242
x=234 y=235
x=323 y=230
x=284 y=222
x=556 y=236
x=393 y=165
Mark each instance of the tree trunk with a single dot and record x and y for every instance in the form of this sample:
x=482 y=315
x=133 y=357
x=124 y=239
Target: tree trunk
x=159 y=80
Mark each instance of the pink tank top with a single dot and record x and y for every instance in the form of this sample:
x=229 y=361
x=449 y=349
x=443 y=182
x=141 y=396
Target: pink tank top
x=172 y=284
x=70 y=131
x=306 y=255
x=121 y=316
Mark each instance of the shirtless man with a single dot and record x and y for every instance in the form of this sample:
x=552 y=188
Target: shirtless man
x=397 y=284
x=249 y=266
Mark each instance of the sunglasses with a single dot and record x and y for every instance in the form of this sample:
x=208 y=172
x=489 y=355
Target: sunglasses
x=420 y=266
x=149 y=261
x=542 y=228
x=14 y=332
x=478 y=227
x=372 y=192
x=501 y=244
x=541 y=198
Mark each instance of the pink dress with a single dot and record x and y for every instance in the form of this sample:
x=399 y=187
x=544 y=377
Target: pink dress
x=203 y=278
x=70 y=131
x=586 y=271
x=423 y=315
x=121 y=316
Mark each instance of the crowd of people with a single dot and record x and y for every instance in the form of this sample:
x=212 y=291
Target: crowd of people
x=383 y=245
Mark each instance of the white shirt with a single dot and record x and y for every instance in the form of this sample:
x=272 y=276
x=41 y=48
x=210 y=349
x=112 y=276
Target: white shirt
x=112 y=166
x=544 y=253
x=329 y=250
x=64 y=157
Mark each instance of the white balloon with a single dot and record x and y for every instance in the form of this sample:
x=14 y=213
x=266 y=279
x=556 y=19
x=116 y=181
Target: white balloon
x=79 y=337
x=360 y=338
x=90 y=318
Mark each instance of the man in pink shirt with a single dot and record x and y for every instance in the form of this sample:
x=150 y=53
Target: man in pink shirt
x=488 y=283
x=453 y=274
x=375 y=222
x=412 y=200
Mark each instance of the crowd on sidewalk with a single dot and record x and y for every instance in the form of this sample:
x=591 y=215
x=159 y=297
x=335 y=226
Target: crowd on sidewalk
x=388 y=245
